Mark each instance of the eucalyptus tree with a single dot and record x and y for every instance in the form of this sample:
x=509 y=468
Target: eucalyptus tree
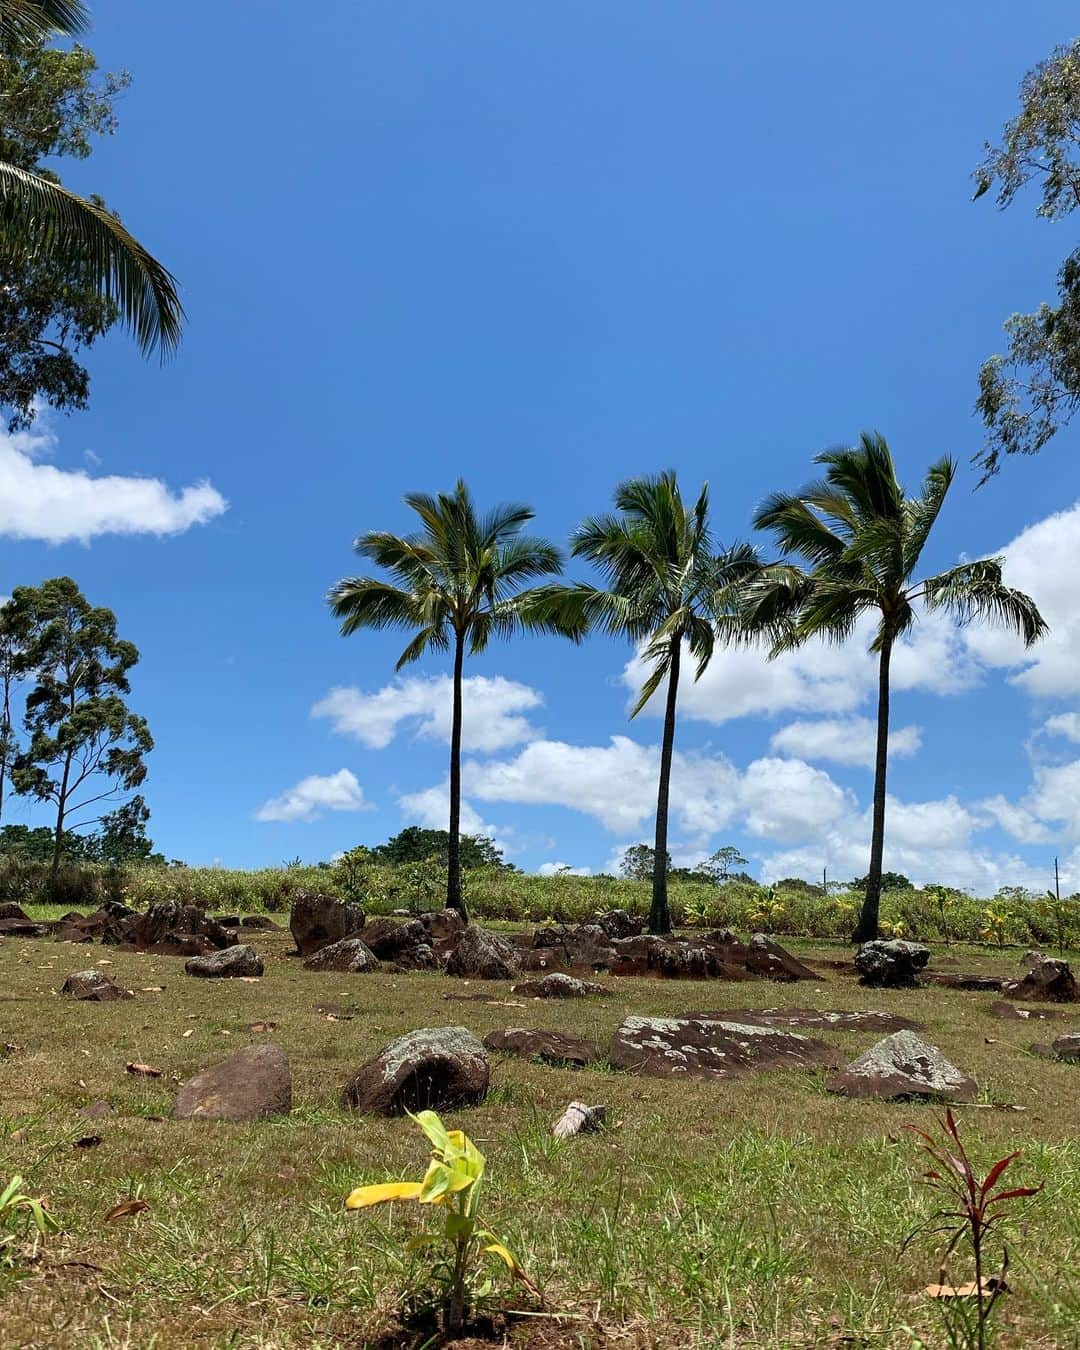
x=458 y=582
x=667 y=587
x=861 y=538
x=41 y=221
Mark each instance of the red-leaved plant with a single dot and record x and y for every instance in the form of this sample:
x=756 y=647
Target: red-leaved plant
x=974 y=1207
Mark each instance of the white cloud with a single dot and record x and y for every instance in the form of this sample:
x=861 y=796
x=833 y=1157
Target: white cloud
x=561 y=869
x=1055 y=795
x=785 y=799
x=1014 y=819
x=848 y=740
x=1063 y=724
x=313 y=795
x=41 y=501
x=491 y=711
x=430 y=807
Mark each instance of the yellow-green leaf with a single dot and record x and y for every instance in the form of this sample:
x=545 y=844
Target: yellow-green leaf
x=504 y=1255
x=364 y=1196
x=435 y=1130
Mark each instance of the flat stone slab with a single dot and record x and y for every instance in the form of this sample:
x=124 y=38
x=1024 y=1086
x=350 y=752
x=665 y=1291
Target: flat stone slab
x=814 y=1019
x=559 y=985
x=553 y=1047
x=253 y=1083
x=692 y=1047
x=977 y=984
x=902 y=1066
x=435 y=1068
x=1009 y=1012
x=94 y=986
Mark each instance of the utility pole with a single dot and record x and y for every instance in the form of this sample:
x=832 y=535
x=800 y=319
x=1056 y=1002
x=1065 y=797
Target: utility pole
x=825 y=881
x=1057 y=882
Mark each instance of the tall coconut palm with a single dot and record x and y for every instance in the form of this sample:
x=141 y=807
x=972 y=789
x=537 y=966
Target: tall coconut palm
x=42 y=217
x=861 y=538
x=459 y=583
x=666 y=587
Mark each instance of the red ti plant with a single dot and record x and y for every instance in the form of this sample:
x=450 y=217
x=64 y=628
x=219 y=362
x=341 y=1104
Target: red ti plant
x=973 y=1208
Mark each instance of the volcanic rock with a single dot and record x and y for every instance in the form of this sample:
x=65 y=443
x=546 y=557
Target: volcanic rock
x=240 y=961
x=618 y=923
x=318 y=920
x=393 y=941
x=482 y=955
x=814 y=1019
x=1048 y=980
x=94 y=986
x=169 y=928
x=442 y=926
x=24 y=928
x=436 y=1068
x=903 y=1066
x=553 y=1047
x=1009 y=1012
x=684 y=1047
x=350 y=955
x=253 y=1083
x=891 y=965
x=768 y=959
x=559 y=985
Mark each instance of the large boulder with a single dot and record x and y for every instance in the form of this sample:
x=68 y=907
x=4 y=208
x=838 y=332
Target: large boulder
x=770 y=961
x=436 y=1068
x=585 y=948
x=1048 y=979
x=350 y=956
x=619 y=923
x=392 y=940
x=903 y=1066
x=686 y=1047
x=169 y=928
x=24 y=928
x=10 y=910
x=240 y=961
x=443 y=926
x=318 y=920
x=891 y=965
x=94 y=986
x=253 y=1083
x=552 y=1047
x=559 y=985
x=482 y=955
x=815 y=1019
x=672 y=958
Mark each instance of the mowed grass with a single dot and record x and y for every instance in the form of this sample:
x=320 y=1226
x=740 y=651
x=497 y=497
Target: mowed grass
x=763 y=1212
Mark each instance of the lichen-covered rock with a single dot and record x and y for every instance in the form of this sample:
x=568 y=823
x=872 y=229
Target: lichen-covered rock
x=815 y=1019
x=435 y=1068
x=902 y=1066
x=891 y=965
x=1048 y=979
x=349 y=956
x=559 y=985
x=552 y=1047
x=619 y=923
x=253 y=1083
x=685 y=1047
x=482 y=955
x=318 y=920
x=769 y=960
x=442 y=926
x=94 y=986
x=236 y=962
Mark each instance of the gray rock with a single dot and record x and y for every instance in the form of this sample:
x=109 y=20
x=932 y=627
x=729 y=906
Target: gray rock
x=350 y=956
x=685 y=1047
x=481 y=955
x=1065 y=1047
x=232 y=963
x=619 y=923
x=901 y=1066
x=814 y=1019
x=94 y=986
x=318 y=920
x=435 y=1068
x=891 y=965
x=253 y=1083
x=559 y=985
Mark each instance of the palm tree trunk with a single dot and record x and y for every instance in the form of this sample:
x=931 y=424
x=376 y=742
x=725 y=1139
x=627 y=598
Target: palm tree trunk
x=455 y=898
x=659 y=915
x=867 y=927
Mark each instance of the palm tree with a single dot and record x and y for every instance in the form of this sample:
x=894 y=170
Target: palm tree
x=666 y=588
x=459 y=584
x=43 y=217
x=862 y=538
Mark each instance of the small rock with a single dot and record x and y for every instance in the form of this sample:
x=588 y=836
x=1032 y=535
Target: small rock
x=350 y=956
x=683 y=1047
x=95 y=986
x=258 y=921
x=238 y=962
x=482 y=955
x=97 y=1111
x=553 y=1047
x=1009 y=1012
x=903 y=1066
x=435 y=1068
x=559 y=985
x=891 y=965
x=253 y=1083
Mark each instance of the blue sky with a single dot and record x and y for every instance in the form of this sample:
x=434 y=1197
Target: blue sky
x=546 y=247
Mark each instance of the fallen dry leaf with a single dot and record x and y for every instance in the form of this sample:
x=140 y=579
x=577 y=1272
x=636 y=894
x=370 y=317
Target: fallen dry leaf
x=967 y=1290
x=153 y=989
x=125 y=1209
x=142 y=1070
x=249 y=979
x=190 y=1032
x=262 y=1026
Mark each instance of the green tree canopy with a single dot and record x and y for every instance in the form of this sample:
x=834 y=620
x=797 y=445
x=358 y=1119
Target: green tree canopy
x=414 y=844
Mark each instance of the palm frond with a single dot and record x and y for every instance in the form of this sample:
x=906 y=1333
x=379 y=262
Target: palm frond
x=31 y=20
x=365 y=602
x=50 y=221
x=661 y=665
x=798 y=529
x=922 y=512
x=976 y=590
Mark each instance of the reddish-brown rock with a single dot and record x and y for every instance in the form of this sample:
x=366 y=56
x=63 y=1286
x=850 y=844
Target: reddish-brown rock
x=553 y=1047
x=684 y=1047
x=436 y=1068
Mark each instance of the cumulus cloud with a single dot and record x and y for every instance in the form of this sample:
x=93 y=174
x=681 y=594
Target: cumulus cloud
x=492 y=709
x=1063 y=724
x=847 y=740
x=54 y=505
x=430 y=807
x=314 y=795
x=561 y=869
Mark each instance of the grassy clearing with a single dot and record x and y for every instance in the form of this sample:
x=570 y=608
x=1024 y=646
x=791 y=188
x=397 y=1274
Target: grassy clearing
x=756 y=1213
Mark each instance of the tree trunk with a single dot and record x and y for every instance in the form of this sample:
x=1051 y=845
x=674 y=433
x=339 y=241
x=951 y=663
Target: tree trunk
x=867 y=927
x=455 y=898
x=5 y=738
x=61 y=811
x=659 y=916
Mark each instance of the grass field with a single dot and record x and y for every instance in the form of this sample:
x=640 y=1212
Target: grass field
x=763 y=1212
